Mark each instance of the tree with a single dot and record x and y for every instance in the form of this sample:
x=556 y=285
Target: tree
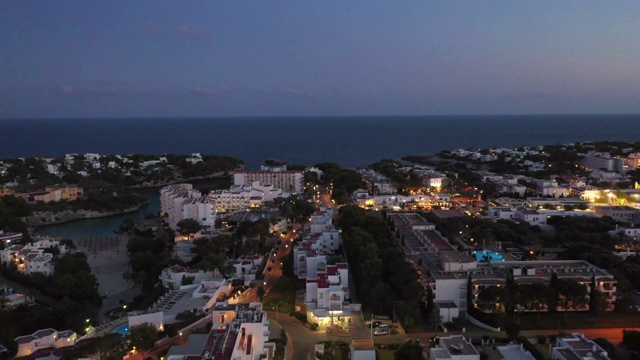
x=573 y=293
x=188 y=227
x=261 y=292
x=110 y=346
x=512 y=329
x=143 y=336
x=409 y=350
x=631 y=338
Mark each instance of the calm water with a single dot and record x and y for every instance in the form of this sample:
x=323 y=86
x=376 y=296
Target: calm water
x=349 y=141
x=105 y=227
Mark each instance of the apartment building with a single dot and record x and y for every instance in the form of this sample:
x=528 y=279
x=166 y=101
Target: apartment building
x=64 y=192
x=238 y=332
x=182 y=201
x=598 y=161
x=243 y=197
x=619 y=213
x=32 y=258
x=377 y=184
x=44 y=339
x=449 y=270
x=279 y=177
x=577 y=347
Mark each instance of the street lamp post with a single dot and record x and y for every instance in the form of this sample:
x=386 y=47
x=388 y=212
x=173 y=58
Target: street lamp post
x=277 y=312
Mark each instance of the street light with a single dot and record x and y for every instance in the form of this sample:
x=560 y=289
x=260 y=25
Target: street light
x=277 y=312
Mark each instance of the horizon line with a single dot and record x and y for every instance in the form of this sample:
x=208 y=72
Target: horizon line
x=309 y=116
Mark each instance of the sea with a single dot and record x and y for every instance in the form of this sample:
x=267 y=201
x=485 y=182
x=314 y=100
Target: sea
x=351 y=141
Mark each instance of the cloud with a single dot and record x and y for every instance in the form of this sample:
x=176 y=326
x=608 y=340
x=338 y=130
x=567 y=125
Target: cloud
x=73 y=90
x=205 y=91
x=150 y=28
x=298 y=94
x=66 y=89
x=193 y=32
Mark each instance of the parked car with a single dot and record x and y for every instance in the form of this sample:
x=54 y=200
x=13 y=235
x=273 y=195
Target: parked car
x=378 y=332
x=375 y=324
x=383 y=326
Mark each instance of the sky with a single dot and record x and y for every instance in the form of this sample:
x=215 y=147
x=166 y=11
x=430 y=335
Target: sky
x=299 y=58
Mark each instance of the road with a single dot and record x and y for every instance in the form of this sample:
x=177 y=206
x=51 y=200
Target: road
x=303 y=339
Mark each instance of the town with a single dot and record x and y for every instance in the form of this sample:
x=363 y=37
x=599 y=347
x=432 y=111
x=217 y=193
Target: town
x=524 y=253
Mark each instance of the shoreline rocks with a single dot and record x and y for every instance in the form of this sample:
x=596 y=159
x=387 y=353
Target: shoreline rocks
x=42 y=219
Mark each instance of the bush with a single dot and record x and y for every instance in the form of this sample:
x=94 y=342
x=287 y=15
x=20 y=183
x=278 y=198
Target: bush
x=314 y=327
x=631 y=339
x=300 y=316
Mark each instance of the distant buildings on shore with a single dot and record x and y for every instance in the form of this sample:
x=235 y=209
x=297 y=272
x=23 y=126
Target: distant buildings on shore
x=251 y=189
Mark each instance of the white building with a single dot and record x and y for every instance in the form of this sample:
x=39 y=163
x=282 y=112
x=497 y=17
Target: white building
x=246 y=267
x=577 y=347
x=44 y=339
x=243 y=197
x=514 y=352
x=362 y=350
x=172 y=277
x=12 y=298
x=32 y=258
x=326 y=295
x=321 y=220
x=181 y=201
x=286 y=180
x=326 y=242
x=602 y=161
x=239 y=332
x=454 y=347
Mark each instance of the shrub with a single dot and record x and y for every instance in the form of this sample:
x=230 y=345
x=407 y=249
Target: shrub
x=631 y=338
x=300 y=316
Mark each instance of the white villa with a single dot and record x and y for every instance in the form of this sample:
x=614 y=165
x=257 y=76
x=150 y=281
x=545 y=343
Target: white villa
x=239 y=332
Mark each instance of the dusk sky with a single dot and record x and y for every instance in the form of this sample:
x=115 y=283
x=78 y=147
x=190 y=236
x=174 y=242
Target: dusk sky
x=270 y=58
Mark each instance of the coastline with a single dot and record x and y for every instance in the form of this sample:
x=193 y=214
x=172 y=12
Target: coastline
x=147 y=185
x=40 y=220
x=44 y=219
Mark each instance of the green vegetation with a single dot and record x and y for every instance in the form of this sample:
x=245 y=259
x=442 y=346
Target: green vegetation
x=334 y=350
x=74 y=290
x=143 y=336
x=109 y=346
x=344 y=181
x=188 y=227
x=149 y=253
x=295 y=208
x=409 y=350
x=384 y=280
x=392 y=169
x=283 y=293
x=631 y=339
x=106 y=182
x=12 y=210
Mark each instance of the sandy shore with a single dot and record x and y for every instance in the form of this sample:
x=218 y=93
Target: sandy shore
x=108 y=260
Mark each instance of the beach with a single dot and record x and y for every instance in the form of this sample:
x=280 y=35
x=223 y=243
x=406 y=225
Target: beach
x=108 y=259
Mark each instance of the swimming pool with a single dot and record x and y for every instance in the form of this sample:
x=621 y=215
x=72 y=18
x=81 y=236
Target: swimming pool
x=122 y=329
x=485 y=255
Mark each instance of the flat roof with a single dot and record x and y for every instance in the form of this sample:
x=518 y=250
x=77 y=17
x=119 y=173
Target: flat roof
x=362 y=344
